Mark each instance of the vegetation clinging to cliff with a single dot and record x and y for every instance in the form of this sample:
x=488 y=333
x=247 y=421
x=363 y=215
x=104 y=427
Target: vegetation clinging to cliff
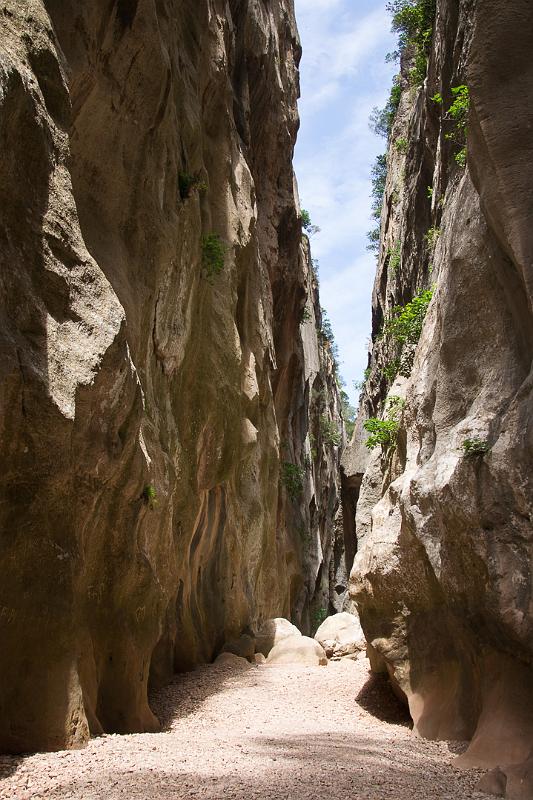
x=475 y=447
x=405 y=323
x=413 y=20
x=382 y=120
x=292 y=478
x=458 y=114
x=378 y=176
x=307 y=224
x=348 y=411
x=187 y=183
x=331 y=435
x=395 y=257
x=150 y=495
x=213 y=254
x=402 y=331
x=384 y=431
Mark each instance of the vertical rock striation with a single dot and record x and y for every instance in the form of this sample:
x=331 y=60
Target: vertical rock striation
x=160 y=490
x=443 y=576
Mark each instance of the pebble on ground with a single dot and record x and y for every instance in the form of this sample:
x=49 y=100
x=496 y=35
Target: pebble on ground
x=267 y=732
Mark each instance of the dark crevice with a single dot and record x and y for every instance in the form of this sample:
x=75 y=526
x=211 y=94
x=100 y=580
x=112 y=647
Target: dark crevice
x=378 y=698
x=350 y=488
x=126 y=11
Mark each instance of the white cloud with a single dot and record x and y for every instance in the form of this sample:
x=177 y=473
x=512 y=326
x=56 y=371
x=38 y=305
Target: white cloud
x=336 y=47
x=346 y=296
x=321 y=5
x=343 y=76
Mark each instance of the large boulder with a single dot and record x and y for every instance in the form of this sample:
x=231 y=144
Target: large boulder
x=341 y=635
x=298 y=650
x=272 y=632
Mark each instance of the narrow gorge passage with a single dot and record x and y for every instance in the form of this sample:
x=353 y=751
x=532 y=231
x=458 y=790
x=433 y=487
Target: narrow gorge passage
x=257 y=732
x=187 y=495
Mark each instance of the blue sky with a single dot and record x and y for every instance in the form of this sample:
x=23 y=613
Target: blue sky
x=343 y=76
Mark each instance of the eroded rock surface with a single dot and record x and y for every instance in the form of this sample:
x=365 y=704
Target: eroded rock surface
x=160 y=494
x=443 y=573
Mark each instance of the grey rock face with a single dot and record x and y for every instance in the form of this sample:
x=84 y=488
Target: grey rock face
x=444 y=569
x=150 y=395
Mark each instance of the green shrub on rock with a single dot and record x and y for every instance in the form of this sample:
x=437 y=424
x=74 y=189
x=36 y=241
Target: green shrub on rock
x=405 y=323
x=213 y=254
x=382 y=120
x=458 y=114
x=318 y=616
x=188 y=183
x=395 y=257
x=150 y=496
x=330 y=432
x=401 y=144
x=292 y=478
x=307 y=225
x=475 y=447
x=432 y=237
x=413 y=20
x=402 y=330
x=384 y=431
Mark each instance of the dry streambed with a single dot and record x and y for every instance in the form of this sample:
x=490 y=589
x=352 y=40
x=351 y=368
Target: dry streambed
x=259 y=732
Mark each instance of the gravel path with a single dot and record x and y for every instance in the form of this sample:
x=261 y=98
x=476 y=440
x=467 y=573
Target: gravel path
x=289 y=733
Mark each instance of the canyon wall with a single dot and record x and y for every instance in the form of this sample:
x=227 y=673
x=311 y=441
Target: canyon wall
x=443 y=576
x=170 y=423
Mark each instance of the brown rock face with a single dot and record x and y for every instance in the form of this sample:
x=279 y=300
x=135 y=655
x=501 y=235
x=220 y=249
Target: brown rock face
x=443 y=575
x=158 y=381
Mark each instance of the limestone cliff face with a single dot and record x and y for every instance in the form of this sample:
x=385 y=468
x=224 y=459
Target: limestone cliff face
x=160 y=490
x=443 y=576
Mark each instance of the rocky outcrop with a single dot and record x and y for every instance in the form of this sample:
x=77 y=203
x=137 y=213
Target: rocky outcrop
x=161 y=370
x=443 y=572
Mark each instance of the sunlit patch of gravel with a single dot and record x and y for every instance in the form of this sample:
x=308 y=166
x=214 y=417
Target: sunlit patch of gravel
x=286 y=733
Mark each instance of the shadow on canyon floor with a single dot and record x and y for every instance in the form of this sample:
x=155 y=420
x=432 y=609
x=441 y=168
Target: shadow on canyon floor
x=9 y=765
x=378 y=699
x=187 y=692
x=183 y=696
x=256 y=734
x=298 y=767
